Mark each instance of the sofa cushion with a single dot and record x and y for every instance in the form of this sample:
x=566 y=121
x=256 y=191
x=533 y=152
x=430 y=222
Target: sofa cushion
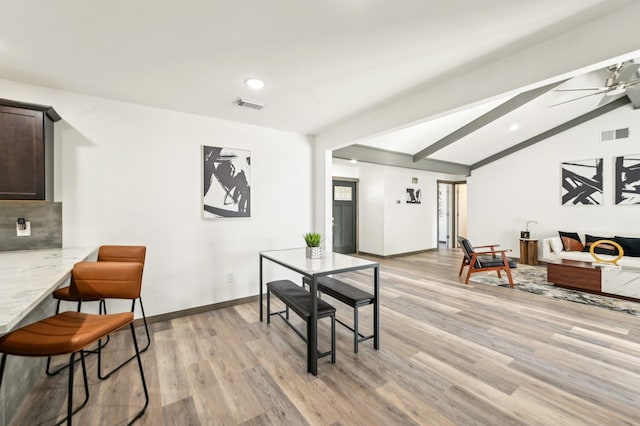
x=572 y=245
x=489 y=261
x=631 y=246
x=556 y=245
x=603 y=248
x=586 y=257
x=569 y=240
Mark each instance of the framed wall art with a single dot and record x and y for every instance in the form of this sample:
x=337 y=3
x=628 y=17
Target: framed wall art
x=414 y=196
x=582 y=182
x=226 y=182
x=627 y=179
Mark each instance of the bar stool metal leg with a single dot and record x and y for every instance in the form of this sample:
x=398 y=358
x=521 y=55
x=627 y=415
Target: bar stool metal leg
x=70 y=410
x=146 y=327
x=102 y=376
x=2 y=364
x=144 y=382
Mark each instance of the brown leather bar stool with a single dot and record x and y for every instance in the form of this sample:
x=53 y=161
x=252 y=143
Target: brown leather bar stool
x=137 y=254
x=68 y=333
x=120 y=253
x=106 y=253
x=63 y=294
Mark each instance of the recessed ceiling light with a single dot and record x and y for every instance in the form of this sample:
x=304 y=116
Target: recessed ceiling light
x=354 y=161
x=254 y=83
x=514 y=127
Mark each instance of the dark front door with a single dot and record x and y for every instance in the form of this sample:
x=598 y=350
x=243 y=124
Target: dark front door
x=344 y=216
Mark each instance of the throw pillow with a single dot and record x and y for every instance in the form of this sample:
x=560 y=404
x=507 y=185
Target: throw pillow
x=571 y=245
x=556 y=245
x=564 y=236
x=631 y=246
x=602 y=248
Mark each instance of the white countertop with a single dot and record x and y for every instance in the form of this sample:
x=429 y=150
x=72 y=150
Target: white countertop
x=27 y=277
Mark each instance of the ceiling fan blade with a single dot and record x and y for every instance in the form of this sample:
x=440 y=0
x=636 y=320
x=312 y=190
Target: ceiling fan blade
x=575 y=99
x=632 y=83
x=580 y=89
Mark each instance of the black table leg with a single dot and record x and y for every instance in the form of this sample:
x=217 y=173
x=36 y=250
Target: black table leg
x=376 y=308
x=260 y=288
x=312 y=339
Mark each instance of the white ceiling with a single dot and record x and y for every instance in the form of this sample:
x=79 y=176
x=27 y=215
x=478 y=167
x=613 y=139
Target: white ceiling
x=323 y=61
x=549 y=110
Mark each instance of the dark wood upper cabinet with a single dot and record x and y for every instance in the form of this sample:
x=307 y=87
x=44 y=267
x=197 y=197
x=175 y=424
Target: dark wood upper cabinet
x=26 y=151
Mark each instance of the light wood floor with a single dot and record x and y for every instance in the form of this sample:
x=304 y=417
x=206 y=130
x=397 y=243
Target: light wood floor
x=450 y=354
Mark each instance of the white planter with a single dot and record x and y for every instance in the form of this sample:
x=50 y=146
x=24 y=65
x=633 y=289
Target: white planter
x=314 y=252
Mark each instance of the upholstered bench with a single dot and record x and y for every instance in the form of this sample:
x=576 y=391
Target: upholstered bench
x=299 y=300
x=348 y=295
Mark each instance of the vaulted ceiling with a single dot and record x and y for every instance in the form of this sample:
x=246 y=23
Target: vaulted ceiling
x=396 y=76
x=500 y=127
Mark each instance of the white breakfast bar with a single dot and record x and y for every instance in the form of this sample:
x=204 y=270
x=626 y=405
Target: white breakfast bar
x=27 y=279
x=330 y=263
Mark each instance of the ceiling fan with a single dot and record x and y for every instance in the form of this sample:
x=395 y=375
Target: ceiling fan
x=623 y=77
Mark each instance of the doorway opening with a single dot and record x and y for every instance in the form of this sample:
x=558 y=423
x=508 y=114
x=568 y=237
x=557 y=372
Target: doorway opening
x=345 y=215
x=452 y=212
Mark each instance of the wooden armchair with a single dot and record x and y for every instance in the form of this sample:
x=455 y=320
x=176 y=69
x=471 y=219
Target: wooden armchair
x=485 y=260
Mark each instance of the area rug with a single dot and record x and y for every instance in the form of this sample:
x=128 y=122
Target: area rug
x=533 y=279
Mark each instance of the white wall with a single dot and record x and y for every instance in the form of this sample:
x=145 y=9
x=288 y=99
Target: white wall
x=525 y=186
x=409 y=227
x=387 y=227
x=344 y=169
x=462 y=211
x=128 y=174
x=371 y=217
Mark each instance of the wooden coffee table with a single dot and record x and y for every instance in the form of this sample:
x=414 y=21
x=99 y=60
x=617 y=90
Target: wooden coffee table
x=574 y=274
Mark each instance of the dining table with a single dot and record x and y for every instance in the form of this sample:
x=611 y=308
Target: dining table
x=330 y=263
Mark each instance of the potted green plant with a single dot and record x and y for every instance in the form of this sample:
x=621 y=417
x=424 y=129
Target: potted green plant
x=313 y=250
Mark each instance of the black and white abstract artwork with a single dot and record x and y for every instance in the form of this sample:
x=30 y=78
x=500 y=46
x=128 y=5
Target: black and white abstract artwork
x=627 y=176
x=227 y=182
x=413 y=196
x=582 y=182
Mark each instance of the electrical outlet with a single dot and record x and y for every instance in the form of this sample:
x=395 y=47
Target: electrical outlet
x=23 y=230
x=229 y=277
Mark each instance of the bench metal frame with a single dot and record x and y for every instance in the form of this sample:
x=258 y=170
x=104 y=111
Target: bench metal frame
x=285 y=318
x=357 y=336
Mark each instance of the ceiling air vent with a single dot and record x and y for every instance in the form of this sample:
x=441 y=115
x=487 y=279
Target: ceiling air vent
x=249 y=104
x=609 y=135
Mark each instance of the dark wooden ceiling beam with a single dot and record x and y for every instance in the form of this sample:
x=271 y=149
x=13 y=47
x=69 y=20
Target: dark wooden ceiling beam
x=397 y=159
x=552 y=132
x=490 y=116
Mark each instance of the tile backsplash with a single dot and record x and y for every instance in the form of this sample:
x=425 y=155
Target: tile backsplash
x=46 y=225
